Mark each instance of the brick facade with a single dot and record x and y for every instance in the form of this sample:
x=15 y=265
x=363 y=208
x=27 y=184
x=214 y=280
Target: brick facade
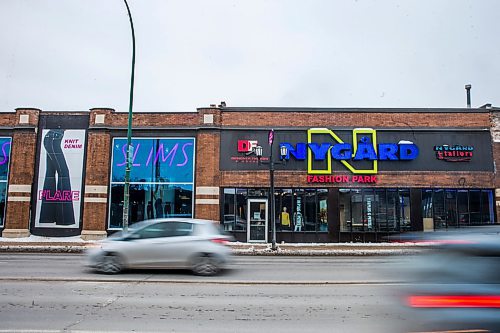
x=22 y=171
x=208 y=123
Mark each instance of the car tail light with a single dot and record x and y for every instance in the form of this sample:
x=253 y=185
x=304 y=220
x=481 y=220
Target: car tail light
x=221 y=241
x=454 y=301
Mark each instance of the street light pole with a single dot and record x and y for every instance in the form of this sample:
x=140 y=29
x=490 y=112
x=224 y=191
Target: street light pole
x=271 y=195
x=126 y=191
x=283 y=154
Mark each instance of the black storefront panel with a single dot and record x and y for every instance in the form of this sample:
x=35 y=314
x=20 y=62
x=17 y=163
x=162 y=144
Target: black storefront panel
x=476 y=143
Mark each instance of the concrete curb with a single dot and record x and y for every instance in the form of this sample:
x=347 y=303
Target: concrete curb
x=242 y=249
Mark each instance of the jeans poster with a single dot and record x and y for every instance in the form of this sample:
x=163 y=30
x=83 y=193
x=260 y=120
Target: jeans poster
x=60 y=178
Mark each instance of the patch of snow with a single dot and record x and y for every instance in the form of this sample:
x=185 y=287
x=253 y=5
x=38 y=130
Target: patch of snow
x=43 y=239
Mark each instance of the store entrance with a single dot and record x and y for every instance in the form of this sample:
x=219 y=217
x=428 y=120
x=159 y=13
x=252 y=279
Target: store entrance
x=257 y=221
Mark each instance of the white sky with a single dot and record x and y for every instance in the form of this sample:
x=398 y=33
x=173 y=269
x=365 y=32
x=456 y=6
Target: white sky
x=76 y=54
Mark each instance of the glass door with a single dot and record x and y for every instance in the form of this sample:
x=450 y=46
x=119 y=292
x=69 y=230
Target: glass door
x=257 y=221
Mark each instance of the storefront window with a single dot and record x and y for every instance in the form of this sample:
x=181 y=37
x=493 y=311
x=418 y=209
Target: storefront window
x=161 y=179
x=463 y=207
x=458 y=208
x=392 y=210
x=241 y=209
x=5 y=144
x=356 y=210
x=451 y=208
x=345 y=209
x=229 y=209
x=283 y=206
x=404 y=202
x=311 y=217
x=381 y=211
x=439 y=209
x=427 y=204
x=322 y=209
x=296 y=210
x=368 y=210
x=475 y=207
x=487 y=207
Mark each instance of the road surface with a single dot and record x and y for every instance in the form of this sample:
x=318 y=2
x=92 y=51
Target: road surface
x=54 y=292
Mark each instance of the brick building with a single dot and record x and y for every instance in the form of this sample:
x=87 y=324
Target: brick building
x=350 y=174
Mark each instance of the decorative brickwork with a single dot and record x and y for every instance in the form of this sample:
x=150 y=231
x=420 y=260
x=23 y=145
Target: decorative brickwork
x=355 y=119
x=22 y=168
x=97 y=176
x=207 y=173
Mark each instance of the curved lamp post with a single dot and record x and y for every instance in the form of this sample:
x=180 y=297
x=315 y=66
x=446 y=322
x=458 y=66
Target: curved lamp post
x=271 y=163
x=126 y=191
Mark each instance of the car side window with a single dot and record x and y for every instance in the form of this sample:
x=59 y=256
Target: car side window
x=181 y=228
x=156 y=230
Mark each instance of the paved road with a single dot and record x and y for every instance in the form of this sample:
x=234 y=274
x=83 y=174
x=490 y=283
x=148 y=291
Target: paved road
x=62 y=267
x=53 y=293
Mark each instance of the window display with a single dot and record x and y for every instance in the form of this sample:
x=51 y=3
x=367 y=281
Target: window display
x=453 y=208
x=297 y=210
x=368 y=210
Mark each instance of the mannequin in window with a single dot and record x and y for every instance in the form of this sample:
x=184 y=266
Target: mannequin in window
x=298 y=221
x=285 y=219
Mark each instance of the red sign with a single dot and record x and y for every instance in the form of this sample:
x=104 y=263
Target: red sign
x=372 y=179
x=246 y=146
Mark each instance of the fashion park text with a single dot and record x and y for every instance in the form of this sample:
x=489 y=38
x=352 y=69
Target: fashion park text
x=342 y=179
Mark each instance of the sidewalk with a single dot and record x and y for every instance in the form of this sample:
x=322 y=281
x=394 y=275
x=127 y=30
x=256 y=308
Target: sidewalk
x=38 y=244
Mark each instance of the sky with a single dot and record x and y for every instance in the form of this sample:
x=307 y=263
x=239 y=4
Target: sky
x=75 y=55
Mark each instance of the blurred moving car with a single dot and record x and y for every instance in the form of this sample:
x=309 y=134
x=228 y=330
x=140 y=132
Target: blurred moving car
x=456 y=286
x=164 y=243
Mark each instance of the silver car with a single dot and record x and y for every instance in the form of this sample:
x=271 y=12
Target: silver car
x=164 y=243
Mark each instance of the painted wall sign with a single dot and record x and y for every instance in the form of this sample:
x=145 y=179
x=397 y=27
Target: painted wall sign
x=456 y=153
x=60 y=175
x=364 y=147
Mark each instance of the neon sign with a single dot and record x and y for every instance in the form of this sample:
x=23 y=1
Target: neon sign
x=5 y=152
x=456 y=153
x=363 y=148
x=158 y=155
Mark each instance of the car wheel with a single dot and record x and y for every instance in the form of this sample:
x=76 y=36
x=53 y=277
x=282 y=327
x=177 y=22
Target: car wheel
x=110 y=264
x=205 y=265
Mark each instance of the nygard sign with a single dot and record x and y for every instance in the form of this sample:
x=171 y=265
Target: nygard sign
x=364 y=147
